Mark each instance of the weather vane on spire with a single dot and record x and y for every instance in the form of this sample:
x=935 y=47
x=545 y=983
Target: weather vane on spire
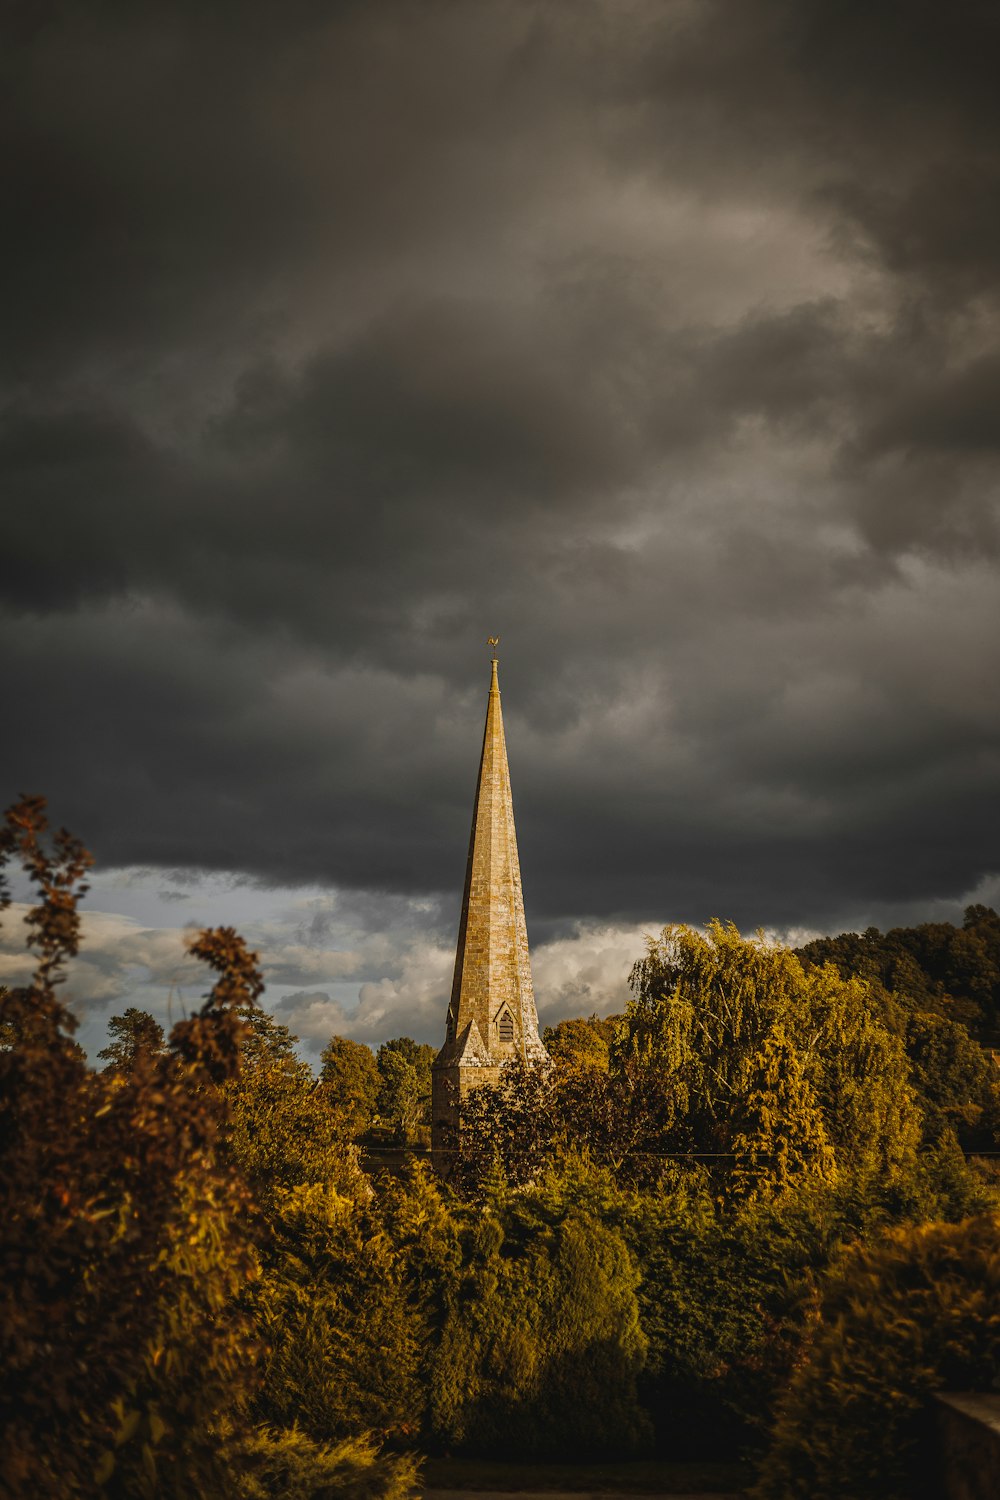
x=494 y=641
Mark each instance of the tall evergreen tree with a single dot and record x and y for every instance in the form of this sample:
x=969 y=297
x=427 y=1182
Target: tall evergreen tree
x=133 y=1035
x=781 y=1140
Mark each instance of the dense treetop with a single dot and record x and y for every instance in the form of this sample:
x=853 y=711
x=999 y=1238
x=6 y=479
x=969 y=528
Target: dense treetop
x=951 y=971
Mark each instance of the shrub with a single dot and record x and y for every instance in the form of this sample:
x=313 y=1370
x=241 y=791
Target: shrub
x=331 y=1305
x=896 y=1321
x=541 y=1346
x=291 y=1465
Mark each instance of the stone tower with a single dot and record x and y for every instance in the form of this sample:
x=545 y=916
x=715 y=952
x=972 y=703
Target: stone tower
x=492 y=1017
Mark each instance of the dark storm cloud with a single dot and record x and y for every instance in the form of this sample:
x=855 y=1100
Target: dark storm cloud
x=890 y=111
x=661 y=339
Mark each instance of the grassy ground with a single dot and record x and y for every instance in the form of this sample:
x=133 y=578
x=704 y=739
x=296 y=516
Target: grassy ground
x=643 y=1478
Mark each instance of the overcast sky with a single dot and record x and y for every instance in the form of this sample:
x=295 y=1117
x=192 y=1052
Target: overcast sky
x=659 y=339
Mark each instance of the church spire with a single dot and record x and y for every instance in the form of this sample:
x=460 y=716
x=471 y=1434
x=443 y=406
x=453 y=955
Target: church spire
x=492 y=1017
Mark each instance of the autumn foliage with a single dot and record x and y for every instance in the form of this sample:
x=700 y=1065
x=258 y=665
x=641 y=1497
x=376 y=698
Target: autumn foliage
x=127 y=1358
x=124 y=1241
x=736 y=1218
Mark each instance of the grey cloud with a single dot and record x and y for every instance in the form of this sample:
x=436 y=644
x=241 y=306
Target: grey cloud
x=883 y=111
x=661 y=340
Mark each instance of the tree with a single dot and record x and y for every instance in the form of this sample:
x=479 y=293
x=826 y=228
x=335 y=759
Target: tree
x=534 y=1114
x=582 y=1043
x=508 y=1128
x=937 y=967
x=127 y=1357
x=269 y=1046
x=404 y=1095
x=135 y=1034
x=351 y=1081
x=708 y=1010
x=619 y=1117
x=955 y=1080
x=860 y=1073
x=781 y=1139
x=281 y=1131
x=123 y=1243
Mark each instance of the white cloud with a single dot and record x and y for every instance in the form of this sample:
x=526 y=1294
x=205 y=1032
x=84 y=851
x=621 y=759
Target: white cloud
x=118 y=959
x=364 y=966
x=587 y=973
x=329 y=966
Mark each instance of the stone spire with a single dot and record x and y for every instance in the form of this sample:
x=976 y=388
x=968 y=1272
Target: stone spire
x=492 y=1017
